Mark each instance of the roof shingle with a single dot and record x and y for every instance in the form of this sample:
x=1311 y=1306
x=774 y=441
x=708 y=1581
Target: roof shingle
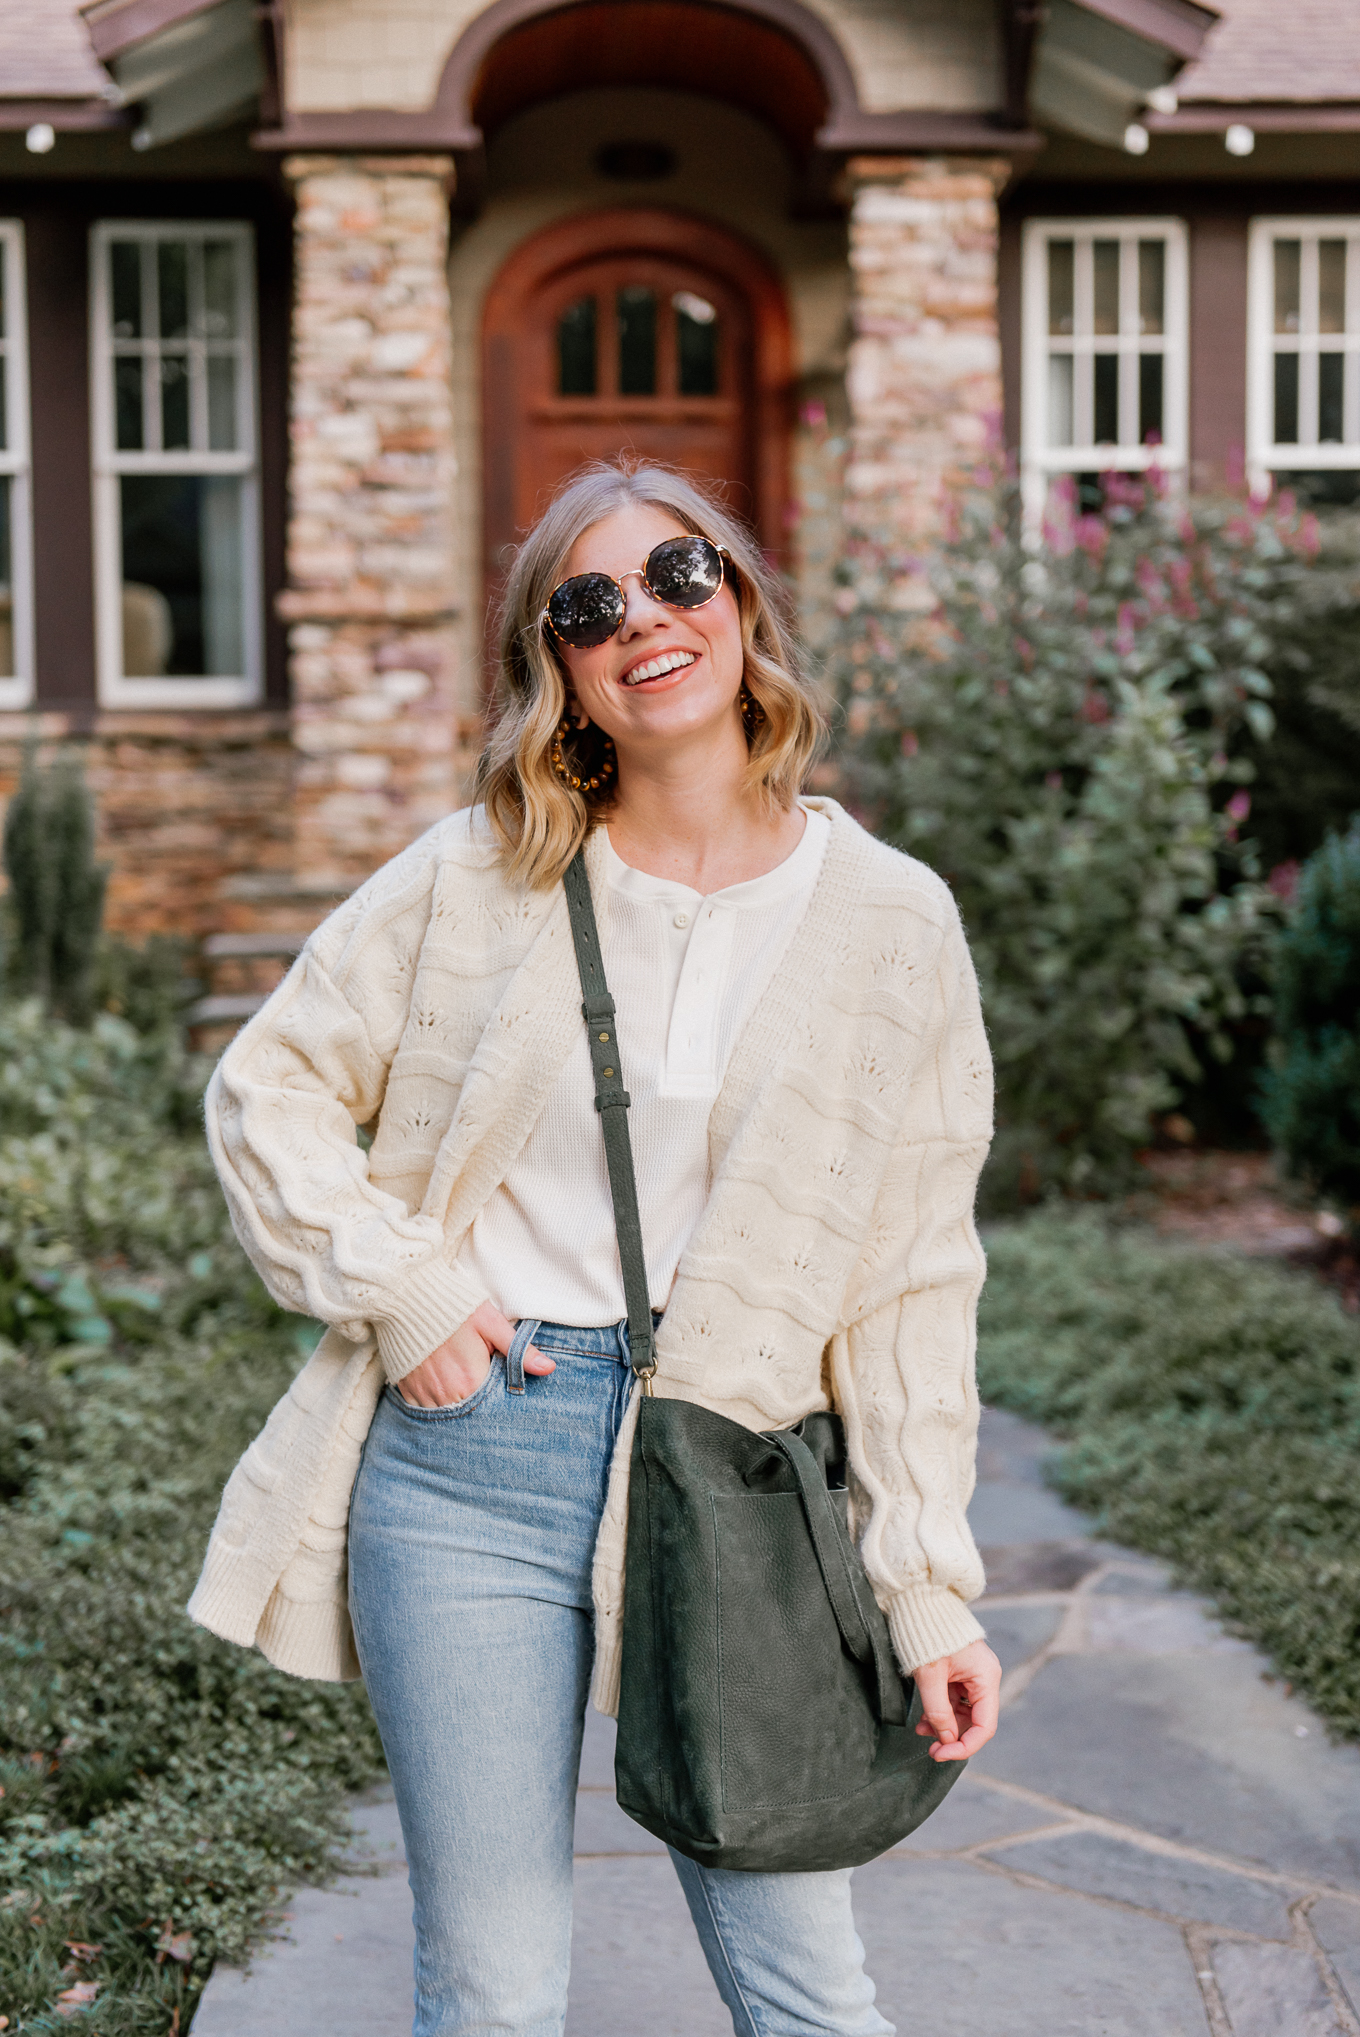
x=45 y=52
x=1263 y=50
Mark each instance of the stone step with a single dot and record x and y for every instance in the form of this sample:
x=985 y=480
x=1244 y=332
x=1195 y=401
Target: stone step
x=221 y=1010
x=287 y=941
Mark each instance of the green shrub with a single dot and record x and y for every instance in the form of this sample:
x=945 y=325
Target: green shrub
x=56 y=889
x=1213 y=1407
x=1310 y=1098
x=1306 y=775
x=162 y=1790
x=1061 y=742
x=151 y=984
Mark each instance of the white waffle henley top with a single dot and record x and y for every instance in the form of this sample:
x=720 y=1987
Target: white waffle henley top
x=685 y=972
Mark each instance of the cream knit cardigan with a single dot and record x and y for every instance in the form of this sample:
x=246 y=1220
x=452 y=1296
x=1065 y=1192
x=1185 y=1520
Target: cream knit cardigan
x=836 y=1261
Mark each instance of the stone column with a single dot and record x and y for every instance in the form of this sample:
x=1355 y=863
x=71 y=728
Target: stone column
x=371 y=596
x=924 y=377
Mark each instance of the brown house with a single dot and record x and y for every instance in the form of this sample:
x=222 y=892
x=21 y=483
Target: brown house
x=306 y=304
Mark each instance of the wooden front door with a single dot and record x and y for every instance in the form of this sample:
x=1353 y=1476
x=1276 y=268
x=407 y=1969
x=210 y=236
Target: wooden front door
x=632 y=332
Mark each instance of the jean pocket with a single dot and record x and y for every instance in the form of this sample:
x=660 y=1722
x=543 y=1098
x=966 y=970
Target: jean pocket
x=456 y=1409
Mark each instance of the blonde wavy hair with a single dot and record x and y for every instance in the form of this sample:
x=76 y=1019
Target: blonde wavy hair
x=539 y=818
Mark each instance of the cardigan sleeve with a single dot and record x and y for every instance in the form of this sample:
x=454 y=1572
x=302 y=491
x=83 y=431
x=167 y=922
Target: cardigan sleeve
x=903 y=1361
x=281 y=1112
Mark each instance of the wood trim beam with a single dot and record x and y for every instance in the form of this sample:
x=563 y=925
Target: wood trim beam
x=68 y=116
x=1281 y=117
x=1019 y=22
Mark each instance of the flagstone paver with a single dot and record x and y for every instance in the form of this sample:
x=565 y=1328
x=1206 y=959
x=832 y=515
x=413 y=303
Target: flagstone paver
x=1160 y=1842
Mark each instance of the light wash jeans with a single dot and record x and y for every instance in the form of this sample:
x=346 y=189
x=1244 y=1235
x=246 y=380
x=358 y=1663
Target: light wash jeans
x=470 y=1540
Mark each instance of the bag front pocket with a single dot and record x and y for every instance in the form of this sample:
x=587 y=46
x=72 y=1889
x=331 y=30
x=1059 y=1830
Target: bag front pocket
x=789 y=1732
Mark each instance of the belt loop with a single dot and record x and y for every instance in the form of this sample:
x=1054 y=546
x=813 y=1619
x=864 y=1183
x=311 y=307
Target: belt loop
x=525 y=1332
x=625 y=1341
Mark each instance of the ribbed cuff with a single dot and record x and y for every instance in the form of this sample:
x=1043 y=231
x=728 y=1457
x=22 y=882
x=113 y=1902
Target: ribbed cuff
x=928 y=1622
x=429 y=1304
x=604 y=1683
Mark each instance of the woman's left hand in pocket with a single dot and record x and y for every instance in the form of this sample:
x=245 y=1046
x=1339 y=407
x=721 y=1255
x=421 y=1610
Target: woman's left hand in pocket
x=960 y=1701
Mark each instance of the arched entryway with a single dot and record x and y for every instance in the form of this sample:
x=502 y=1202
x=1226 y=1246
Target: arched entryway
x=639 y=331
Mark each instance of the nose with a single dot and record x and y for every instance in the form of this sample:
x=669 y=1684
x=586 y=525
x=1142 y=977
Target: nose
x=640 y=611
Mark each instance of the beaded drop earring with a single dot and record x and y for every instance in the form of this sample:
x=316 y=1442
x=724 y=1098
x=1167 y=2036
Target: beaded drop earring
x=752 y=713
x=586 y=778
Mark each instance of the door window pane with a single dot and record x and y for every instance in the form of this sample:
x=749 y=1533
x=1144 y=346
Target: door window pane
x=696 y=344
x=181 y=575
x=1105 y=286
x=637 y=340
x=1151 y=286
x=1106 y=423
x=1060 y=287
x=1287 y=399
x=576 y=349
x=1287 y=254
x=1331 y=398
x=1150 y=427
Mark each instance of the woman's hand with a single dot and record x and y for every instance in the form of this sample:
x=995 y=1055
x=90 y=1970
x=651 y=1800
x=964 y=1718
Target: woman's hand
x=959 y=1696
x=458 y=1367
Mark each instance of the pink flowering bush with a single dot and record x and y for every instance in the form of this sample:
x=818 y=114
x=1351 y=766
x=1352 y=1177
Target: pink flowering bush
x=1066 y=740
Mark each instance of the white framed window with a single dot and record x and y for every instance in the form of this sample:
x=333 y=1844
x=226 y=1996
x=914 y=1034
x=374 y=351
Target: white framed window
x=1104 y=377
x=176 y=464
x=16 y=549
x=1303 y=352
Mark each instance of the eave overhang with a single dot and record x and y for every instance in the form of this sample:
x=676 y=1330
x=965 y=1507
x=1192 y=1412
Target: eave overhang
x=186 y=65
x=1097 y=62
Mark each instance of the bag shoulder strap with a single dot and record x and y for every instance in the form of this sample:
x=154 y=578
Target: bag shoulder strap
x=612 y=1101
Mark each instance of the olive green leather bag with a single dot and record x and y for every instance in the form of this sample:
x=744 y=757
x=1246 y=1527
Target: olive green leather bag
x=763 y=1723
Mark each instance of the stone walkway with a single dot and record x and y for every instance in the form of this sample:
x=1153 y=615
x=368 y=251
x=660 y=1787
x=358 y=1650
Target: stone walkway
x=1159 y=1843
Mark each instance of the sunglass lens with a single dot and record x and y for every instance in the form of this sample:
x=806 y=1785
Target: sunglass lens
x=586 y=611
x=685 y=572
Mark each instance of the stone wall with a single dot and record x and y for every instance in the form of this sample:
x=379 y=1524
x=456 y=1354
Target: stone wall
x=371 y=602
x=924 y=378
x=189 y=806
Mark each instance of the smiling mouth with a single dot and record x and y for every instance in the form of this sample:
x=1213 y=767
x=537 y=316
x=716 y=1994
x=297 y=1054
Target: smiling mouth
x=657 y=668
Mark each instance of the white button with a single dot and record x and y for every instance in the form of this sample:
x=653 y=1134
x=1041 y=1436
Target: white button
x=681 y=920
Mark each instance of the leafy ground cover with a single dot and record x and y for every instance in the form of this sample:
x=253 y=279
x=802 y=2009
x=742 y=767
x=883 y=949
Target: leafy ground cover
x=1211 y=1406
x=160 y=1789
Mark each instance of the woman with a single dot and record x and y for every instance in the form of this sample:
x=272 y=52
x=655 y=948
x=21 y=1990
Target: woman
x=810 y=1086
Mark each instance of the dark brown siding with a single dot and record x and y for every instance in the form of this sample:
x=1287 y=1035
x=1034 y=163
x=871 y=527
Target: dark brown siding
x=1218 y=349
x=63 y=564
